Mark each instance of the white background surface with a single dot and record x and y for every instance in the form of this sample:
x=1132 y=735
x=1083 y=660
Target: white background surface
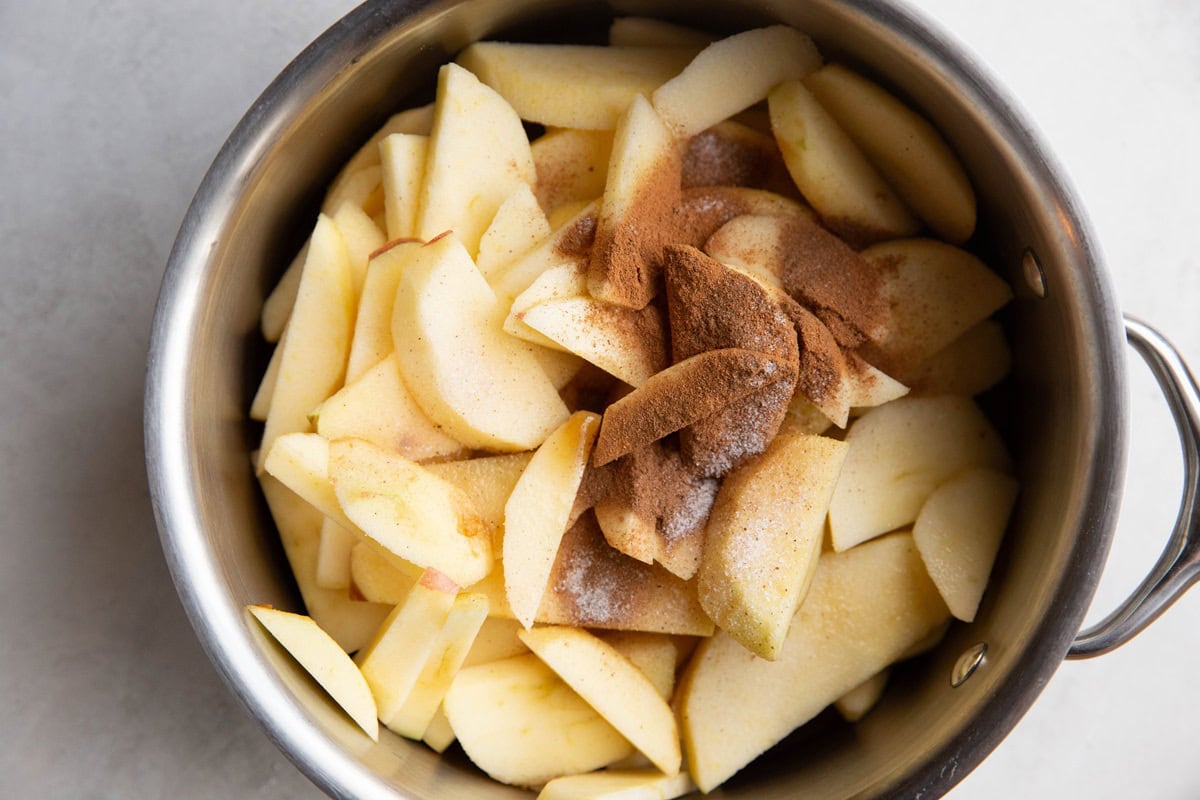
x=109 y=114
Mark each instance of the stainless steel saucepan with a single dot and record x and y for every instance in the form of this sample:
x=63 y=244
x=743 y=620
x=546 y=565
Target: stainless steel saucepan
x=1062 y=410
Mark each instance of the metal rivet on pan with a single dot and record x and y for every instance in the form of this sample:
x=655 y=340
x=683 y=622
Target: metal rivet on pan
x=967 y=663
x=1035 y=278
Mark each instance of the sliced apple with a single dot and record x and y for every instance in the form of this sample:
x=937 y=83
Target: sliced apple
x=321 y=657
x=648 y=32
x=537 y=512
x=439 y=735
x=571 y=166
x=379 y=408
x=393 y=661
x=764 y=538
x=733 y=705
x=732 y=154
x=566 y=281
x=899 y=453
x=403 y=157
x=655 y=654
x=414 y=514
x=622 y=784
x=277 y=308
x=573 y=86
x=518 y=227
x=484 y=387
x=973 y=363
x=522 y=725
x=417 y=120
x=856 y=703
x=831 y=172
x=641 y=191
x=686 y=392
x=497 y=639
x=361 y=237
x=300 y=461
x=958 y=534
x=333 y=555
x=632 y=345
x=372 y=341
x=611 y=684
x=570 y=243
x=313 y=362
x=936 y=293
x=487 y=481
x=803 y=416
x=350 y=622
x=869 y=386
x=378 y=576
x=903 y=146
x=731 y=75
x=478 y=155
x=413 y=716
x=704 y=209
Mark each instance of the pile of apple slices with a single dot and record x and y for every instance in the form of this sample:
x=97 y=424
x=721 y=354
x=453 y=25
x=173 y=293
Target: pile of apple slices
x=497 y=422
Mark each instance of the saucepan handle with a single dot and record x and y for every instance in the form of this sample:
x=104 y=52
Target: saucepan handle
x=1179 y=565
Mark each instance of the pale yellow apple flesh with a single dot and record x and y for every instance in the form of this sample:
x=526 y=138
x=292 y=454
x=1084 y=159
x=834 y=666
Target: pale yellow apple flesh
x=573 y=86
x=973 y=363
x=277 y=308
x=958 y=534
x=518 y=226
x=764 y=538
x=484 y=387
x=611 y=684
x=378 y=576
x=571 y=166
x=414 y=514
x=321 y=657
x=865 y=607
x=372 y=341
x=745 y=66
x=521 y=724
x=403 y=157
x=613 y=784
x=899 y=453
x=856 y=703
x=903 y=146
x=538 y=510
x=487 y=481
x=478 y=155
x=333 y=555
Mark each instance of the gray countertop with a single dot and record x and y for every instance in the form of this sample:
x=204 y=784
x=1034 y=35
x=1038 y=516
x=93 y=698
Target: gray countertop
x=110 y=113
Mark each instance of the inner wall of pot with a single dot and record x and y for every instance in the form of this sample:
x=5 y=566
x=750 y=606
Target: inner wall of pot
x=1064 y=371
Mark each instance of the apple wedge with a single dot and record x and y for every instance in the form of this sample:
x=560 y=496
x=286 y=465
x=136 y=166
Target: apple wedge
x=350 y=622
x=333 y=555
x=632 y=345
x=313 y=363
x=417 y=120
x=611 y=684
x=856 y=703
x=733 y=705
x=641 y=191
x=487 y=481
x=682 y=394
x=518 y=227
x=439 y=735
x=413 y=716
x=361 y=237
x=321 y=657
x=936 y=292
x=732 y=74
x=414 y=514
x=655 y=654
x=260 y=406
x=372 y=340
x=573 y=86
x=899 y=453
x=869 y=386
x=566 y=281
x=522 y=725
x=378 y=576
x=538 y=509
x=300 y=461
x=379 y=408
x=834 y=176
x=478 y=155
x=764 y=538
x=618 y=784
x=571 y=164
x=973 y=363
x=403 y=157
x=497 y=639
x=394 y=659
x=958 y=534
x=570 y=243
x=903 y=146
x=484 y=387
x=362 y=188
